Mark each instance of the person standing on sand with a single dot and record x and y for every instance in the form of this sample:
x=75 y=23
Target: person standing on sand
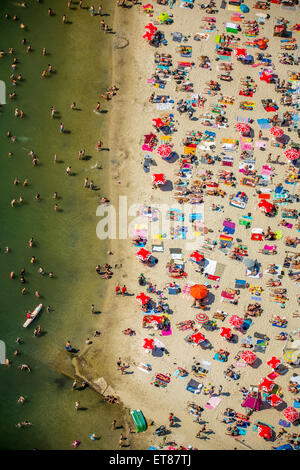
x=113 y=425
x=77 y=403
x=93 y=308
x=119 y=362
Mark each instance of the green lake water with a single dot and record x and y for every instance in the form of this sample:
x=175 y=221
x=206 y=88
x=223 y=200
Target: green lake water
x=79 y=53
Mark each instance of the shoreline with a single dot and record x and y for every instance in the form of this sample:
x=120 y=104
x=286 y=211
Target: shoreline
x=131 y=106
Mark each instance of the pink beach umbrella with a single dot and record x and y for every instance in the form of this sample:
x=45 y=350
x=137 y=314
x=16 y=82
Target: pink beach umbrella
x=158 y=178
x=291 y=414
x=291 y=154
x=273 y=362
x=164 y=150
x=143 y=254
x=277 y=131
x=248 y=356
x=274 y=400
x=236 y=321
x=242 y=127
x=225 y=332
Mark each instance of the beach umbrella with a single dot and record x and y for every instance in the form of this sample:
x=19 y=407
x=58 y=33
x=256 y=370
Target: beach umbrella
x=196 y=256
x=238 y=52
x=291 y=154
x=151 y=27
x=142 y=298
x=148 y=343
x=148 y=35
x=266 y=76
x=266 y=384
x=225 y=332
x=198 y=291
x=146 y=7
x=201 y=318
x=277 y=131
x=274 y=400
x=198 y=338
x=158 y=122
x=236 y=321
x=163 y=16
x=291 y=414
x=264 y=431
x=158 y=344
x=242 y=127
x=164 y=150
x=248 y=356
x=265 y=206
x=143 y=254
x=273 y=362
x=158 y=178
x=290 y=355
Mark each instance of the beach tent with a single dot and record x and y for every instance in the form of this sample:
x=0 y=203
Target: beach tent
x=143 y=254
x=225 y=332
x=199 y=291
x=248 y=356
x=291 y=414
x=253 y=401
x=158 y=178
x=273 y=362
x=142 y=298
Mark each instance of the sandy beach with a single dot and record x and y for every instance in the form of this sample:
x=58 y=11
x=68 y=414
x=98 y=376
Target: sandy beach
x=130 y=119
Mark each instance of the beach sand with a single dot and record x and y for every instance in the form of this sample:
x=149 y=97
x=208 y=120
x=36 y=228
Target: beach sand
x=130 y=120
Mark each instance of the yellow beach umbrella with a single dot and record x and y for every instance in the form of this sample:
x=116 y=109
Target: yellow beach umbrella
x=163 y=16
x=290 y=355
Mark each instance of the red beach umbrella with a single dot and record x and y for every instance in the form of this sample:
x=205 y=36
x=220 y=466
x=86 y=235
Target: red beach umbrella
x=143 y=254
x=151 y=27
x=248 y=356
x=198 y=291
x=148 y=35
x=164 y=150
x=148 y=343
x=266 y=384
x=277 y=131
x=274 y=400
x=292 y=154
x=291 y=414
x=198 y=338
x=196 y=256
x=273 y=362
x=236 y=321
x=264 y=431
x=158 y=178
x=158 y=122
x=265 y=206
x=225 y=332
x=238 y=52
x=242 y=127
x=201 y=318
x=142 y=298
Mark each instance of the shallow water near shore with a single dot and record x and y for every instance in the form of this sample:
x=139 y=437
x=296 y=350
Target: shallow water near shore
x=66 y=241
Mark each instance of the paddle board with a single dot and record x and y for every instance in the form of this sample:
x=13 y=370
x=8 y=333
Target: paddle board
x=33 y=315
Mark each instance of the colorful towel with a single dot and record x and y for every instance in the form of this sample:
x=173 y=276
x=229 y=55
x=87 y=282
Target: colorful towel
x=213 y=403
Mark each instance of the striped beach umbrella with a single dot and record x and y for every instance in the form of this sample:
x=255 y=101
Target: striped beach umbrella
x=290 y=355
x=248 y=356
x=292 y=154
x=201 y=318
x=242 y=127
x=277 y=131
x=291 y=414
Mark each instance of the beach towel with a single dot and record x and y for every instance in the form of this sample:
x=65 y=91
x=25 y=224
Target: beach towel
x=210 y=266
x=213 y=403
x=284 y=423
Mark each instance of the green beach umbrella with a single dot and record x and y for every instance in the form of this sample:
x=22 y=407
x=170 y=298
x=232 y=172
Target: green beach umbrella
x=163 y=16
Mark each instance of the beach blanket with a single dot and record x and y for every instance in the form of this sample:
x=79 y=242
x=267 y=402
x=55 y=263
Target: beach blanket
x=213 y=403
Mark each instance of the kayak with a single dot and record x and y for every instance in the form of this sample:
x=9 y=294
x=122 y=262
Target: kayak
x=32 y=315
x=139 y=420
